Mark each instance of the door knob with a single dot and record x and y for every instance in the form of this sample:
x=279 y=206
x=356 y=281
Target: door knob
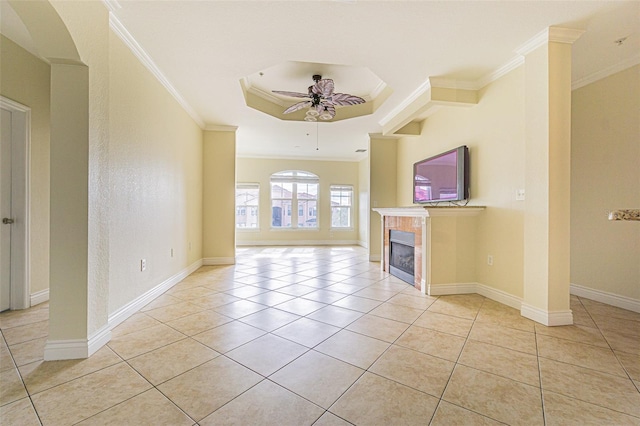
x=7 y=221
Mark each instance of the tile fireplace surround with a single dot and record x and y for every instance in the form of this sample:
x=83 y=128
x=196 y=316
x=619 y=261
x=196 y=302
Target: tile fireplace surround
x=419 y=221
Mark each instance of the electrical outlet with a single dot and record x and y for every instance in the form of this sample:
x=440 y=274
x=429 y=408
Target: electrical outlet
x=143 y=265
x=490 y=260
x=520 y=195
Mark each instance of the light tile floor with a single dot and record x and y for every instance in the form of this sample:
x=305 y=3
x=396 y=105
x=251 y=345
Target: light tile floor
x=301 y=336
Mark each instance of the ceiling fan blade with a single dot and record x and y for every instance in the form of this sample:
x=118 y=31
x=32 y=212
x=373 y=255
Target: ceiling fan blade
x=297 y=106
x=326 y=107
x=344 y=99
x=291 y=94
x=323 y=87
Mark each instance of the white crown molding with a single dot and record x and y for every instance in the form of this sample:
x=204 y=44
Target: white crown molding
x=119 y=29
x=112 y=5
x=550 y=34
x=291 y=157
x=500 y=72
x=599 y=75
x=270 y=97
x=422 y=89
x=450 y=83
x=220 y=128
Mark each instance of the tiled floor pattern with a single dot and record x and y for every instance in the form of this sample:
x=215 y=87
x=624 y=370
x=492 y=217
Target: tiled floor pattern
x=301 y=336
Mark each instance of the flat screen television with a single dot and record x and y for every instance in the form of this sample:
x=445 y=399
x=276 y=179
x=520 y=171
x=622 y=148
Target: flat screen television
x=443 y=177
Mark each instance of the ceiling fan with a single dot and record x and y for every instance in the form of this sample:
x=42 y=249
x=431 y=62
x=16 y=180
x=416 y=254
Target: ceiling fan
x=321 y=100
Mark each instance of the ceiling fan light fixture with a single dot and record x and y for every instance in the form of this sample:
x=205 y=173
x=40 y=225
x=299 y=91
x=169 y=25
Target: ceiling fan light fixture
x=325 y=115
x=312 y=112
x=310 y=118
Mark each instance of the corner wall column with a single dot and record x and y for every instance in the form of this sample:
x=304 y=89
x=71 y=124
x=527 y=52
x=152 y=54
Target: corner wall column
x=547 y=177
x=219 y=197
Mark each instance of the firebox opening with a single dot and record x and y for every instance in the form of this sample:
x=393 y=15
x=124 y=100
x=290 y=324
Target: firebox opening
x=401 y=255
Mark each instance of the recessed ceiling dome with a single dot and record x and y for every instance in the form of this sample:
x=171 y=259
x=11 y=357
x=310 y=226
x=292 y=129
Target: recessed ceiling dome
x=366 y=91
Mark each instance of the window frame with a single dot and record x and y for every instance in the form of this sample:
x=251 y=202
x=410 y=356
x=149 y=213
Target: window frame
x=349 y=207
x=295 y=177
x=248 y=207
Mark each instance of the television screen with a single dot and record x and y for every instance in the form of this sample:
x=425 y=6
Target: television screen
x=444 y=177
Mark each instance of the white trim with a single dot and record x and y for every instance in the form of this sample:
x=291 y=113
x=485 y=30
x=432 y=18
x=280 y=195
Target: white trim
x=220 y=128
x=297 y=242
x=500 y=72
x=449 y=289
x=55 y=350
x=599 y=75
x=124 y=35
x=548 y=318
x=499 y=296
x=39 y=297
x=422 y=89
x=212 y=261
x=21 y=206
x=138 y=303
x=605 y=297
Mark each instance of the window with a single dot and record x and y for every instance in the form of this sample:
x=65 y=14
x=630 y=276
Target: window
x=247 y=205
x=341 y=203
x=294 y=192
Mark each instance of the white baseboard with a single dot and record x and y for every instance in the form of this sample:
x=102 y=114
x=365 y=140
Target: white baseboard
x=210 y=261
x=548 y=318
x=499 y=296
x=135 y=305
x=55 y=350
x=39 y=297
x=449 y=289
x=297 y=243
x=604 y=297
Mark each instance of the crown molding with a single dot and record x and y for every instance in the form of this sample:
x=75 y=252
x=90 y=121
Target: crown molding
x=550 y=34
x=450 y=83
x=112 y=5
x=119 y=29
x=355 y=159
x=422 y=89
x=598 y=75
x=220 y=128
x=500 y=72
x=261 y=93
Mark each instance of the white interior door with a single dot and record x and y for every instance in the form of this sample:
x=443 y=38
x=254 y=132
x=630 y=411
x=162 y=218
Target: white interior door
x=5 y=210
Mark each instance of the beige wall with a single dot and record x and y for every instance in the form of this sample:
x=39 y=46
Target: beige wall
x=155 y=180
x=219 y=159
x=256 y=170
x=364 y=207
x=384 y=182
x=605 y=175
x=25 y=79
x=494 y=132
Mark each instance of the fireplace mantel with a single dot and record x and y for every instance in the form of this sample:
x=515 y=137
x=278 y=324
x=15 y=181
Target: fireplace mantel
x=430 y=211
x=432 y=257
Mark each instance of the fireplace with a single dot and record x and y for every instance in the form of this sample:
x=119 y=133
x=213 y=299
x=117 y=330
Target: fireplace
x=402 y=255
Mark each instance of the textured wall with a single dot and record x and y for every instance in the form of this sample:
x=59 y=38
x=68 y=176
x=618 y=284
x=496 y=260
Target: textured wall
x=605 y=176
x=155 y=180
x=25 y=79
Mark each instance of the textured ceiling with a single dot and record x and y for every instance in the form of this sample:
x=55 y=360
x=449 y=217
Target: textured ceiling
x=205 y=48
